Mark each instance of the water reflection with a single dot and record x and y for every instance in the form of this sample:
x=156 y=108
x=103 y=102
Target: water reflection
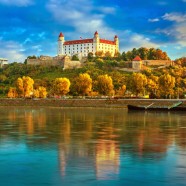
x=96 y=141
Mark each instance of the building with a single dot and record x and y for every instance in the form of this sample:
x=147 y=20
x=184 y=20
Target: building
x=63 y=61
x=82 y=47
x=3 y=62
x=137 y=63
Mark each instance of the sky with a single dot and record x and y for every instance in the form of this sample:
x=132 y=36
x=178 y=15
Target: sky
x=31 y=27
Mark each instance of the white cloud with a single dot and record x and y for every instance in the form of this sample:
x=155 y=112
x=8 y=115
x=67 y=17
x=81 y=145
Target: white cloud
x=16 y=2
x=181 y=33
x=81 y=18
x=12 y=51
x=135 y=40
x=177 y=17
x=184 y=1
x=153 y=20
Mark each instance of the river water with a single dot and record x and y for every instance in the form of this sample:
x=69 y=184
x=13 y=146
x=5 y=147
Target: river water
x=91 y=146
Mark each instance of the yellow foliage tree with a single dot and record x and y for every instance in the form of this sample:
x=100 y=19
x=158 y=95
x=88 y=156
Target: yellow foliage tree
x=36 y=93
x=40 y=92
x=61 y=86
x=166 y=85
x=12 y=93
x=105 y=85
x=83 y=84
x=138 y=83
x=19 y=87
x=121 y=90
x=24 y=86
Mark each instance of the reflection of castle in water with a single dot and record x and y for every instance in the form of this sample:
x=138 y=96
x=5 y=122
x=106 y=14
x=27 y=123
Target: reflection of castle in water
x=98 y=138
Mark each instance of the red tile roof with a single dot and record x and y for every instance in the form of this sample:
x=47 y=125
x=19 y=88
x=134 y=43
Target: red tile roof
x=107 y=41
x=137 y=58
x=95 y=33
x=82 y=41
x=61 y=34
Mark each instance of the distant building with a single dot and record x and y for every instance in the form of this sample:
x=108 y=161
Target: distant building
x=3 y=62
x=137 y=63
x=82 y=47
x=63 y=61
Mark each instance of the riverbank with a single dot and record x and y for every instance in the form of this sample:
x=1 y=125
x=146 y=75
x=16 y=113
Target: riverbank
x=87 y=102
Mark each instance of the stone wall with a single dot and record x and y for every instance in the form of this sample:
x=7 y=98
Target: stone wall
x=157 y=62
x=83 y=102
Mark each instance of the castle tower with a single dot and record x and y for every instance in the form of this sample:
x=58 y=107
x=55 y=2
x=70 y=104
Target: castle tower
x=116 y=40
x=137 y=63
x=96 y=40
x=61 y=41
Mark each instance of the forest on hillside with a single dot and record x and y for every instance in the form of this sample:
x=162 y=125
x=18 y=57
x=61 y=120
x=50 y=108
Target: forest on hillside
x=97 y=77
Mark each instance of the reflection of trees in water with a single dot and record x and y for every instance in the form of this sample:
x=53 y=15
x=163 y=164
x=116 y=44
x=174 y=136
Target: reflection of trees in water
x=98 y=136
x=145 y=132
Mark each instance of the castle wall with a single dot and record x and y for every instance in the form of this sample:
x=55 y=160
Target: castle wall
x=157 y=62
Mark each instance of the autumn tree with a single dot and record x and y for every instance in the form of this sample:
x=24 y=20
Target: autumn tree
x=105 y=85
x=24 y=86
x=40 y=92
x=12 y=93
x=137 y=83
x=83 y=84
x=166 y=85
x=61 y=86
x=121 y=91
x=107 y=55
x=99 y=53
x=152 y=86
x=19 y=87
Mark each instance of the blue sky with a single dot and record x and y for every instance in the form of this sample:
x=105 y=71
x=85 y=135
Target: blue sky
x=31 y=27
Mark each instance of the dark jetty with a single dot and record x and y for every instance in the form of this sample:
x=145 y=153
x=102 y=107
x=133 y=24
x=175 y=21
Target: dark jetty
x=167 y=106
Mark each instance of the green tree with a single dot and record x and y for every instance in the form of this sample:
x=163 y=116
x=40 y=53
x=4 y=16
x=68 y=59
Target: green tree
x=90 y=56
x=75 y=58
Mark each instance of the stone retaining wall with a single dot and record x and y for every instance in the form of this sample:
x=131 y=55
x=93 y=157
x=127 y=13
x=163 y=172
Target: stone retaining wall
x=83 y=102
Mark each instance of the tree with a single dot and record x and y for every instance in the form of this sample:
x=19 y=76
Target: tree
x=152 y=54
x=83 y=84
x=143 y=53
x=99 y=53
x=90 y=56
x=19 y=87
x=12 y=93
x=123 y=56
x=121 y=90
x=152 y=86
x=166 y=84
x=24 y=86
x=75 y=58
x=105 y=85
x=137 y=83
x=61 y=86
x=129 y=56
x=40 y=92
x=108 y=55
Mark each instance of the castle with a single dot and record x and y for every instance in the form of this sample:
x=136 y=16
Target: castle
x=82 y=47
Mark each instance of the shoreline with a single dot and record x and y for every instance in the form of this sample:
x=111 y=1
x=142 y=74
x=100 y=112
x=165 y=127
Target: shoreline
x=108 y=103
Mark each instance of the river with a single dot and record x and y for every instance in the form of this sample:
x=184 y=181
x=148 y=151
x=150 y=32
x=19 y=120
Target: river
x=91 y=146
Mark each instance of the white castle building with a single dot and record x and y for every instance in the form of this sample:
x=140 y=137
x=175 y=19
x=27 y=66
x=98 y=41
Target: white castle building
x=82 y=47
